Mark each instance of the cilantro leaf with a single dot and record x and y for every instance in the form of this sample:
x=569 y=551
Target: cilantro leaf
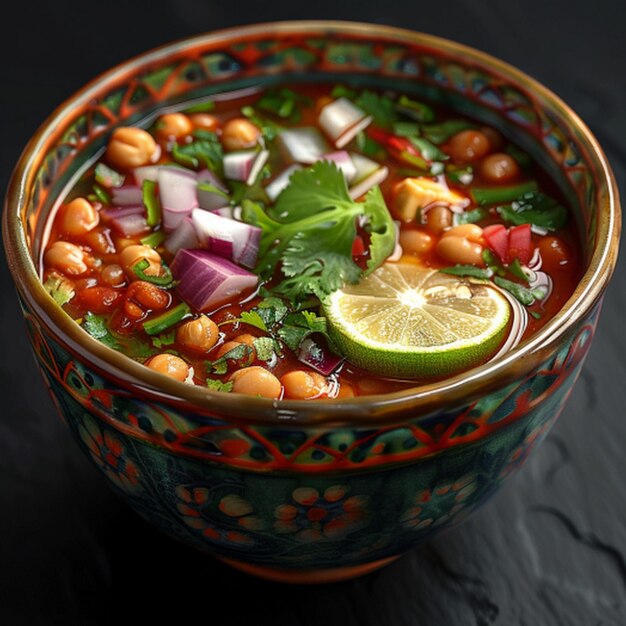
x=519 y=292
x=96 y=326
x=298 y=326
x=253 y=319
x=218 y=385
x=311 y=228
x=440 y=133
x=381 y=108
x=60 y=288
x=265 y=348
x=205 y=151
x=468 y=270
x=536 y=209
x=242 y=353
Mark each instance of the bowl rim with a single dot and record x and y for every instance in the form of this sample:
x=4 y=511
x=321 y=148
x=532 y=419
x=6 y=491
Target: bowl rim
x=398 y=406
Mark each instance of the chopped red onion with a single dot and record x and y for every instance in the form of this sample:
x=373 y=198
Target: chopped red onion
x=130 y=225
x=344 y=162
x=229 y=238
x=397 y=251
x=314 y=352
x=177 y=192
x=111 y=213
x=341 y=120
x=206 y=280
x=208 y=199
x=274 y=189
x=302 y=145
x=245 y=165
x=127 y=195
x=183 y=237
x=147 y=172
x=363 y=186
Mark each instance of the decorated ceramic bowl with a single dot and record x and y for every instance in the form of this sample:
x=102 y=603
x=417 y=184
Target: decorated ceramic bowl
x=325 y=490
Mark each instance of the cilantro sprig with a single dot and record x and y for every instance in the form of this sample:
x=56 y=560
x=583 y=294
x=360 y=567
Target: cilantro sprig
x=310 y=230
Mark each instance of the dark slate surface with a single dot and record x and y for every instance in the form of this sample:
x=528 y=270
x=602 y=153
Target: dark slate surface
x=549 y=549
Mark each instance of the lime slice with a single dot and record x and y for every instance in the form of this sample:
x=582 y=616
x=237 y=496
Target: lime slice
x=407 y=322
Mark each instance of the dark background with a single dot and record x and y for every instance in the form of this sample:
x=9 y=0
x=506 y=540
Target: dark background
x=549 y=549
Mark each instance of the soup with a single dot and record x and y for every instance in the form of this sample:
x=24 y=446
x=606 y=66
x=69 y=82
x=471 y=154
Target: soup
x=316 y=242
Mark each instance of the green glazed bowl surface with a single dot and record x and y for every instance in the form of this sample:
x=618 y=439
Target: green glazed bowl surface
x=309 y=491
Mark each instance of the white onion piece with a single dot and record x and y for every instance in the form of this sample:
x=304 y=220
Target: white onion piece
x=538 y=230
x=274 y=189
x=245 y=165
x=364 y=166
x=344 y=162
x=147 y=172
x=206 y=280
x=366 y=184
x=208 y=199
x=341 y=120
x=519 y=321
x=127 y=195
x=130 y=225
x=183 y=237
x=397 y=251
x=230 y=212
x=302 y=145
x=178 y=195
x=536 y=261
x=111 y=213
x=234 y=240
x=544 y=283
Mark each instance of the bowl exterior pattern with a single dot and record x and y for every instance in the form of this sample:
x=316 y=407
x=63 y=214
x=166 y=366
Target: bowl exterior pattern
x=298 y=497
x=303 y=496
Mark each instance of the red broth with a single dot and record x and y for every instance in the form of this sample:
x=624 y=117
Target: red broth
x=413 y=140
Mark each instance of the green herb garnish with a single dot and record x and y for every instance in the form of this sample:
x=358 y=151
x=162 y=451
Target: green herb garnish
x=151 y=202
x=96 y=326
x=536 y=209
x=268 y=128
x=60 y=288
x=519 y=292
x=201 y=107
x=108 y=177
x=218 y=385
x=164 y=321
x=283 y=103
x=205 y=151
x=311 y=228
x=298 y=326
x=101 y=195
x=381 y=108
x=468 y=270
x=516 y=269
x=470 y=217
x=417 y=110
x=440 y=133
x=491 y=195
x=238 y=353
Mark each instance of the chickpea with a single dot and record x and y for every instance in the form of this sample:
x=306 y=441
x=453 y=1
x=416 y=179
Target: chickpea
x=416 y=241
x=496 y=140
x=131 y=147
x=240 y=134
x=79 y=217
x=460 y=250
x=131 y=255
x=499 y=168
x=473 y=232
x=173 y=126
x=234 y=342
x=113 y=275
x=301 y=385
x=468 y=145
x=256 y=381
x=66 y=257
x=142 y=296
x=100 y=242
x=198 y=335
x=438 y=219
x=205 y=121
x=169 y=365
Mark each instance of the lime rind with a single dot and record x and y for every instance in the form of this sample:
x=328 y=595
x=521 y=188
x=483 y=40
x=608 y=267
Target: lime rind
x=427 y=331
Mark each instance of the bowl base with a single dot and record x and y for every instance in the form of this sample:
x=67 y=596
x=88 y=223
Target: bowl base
x=307 y=577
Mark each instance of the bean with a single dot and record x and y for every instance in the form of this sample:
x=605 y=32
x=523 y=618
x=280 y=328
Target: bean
x=198 y=335
x=79 y=217
x=133 y=254
x=554 y=252
x=100 y=241
x=468 y=145
x=66 y=257
x=142 y=296
x=473 y=232
x=496 y=141
x=459 y=250
x=499 y=168
x=438 y=219
x=173 y=126
x=302 y=385
x=131 y=147
x=239 y=134
x=205 y=121
x=169 y=365
x=256 y=381
x=99 y=299
x=416 y=241
x=113 y=275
